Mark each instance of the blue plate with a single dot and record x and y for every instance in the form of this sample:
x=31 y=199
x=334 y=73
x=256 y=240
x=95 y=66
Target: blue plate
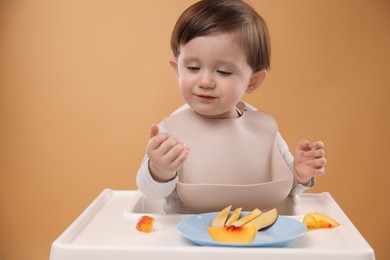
x=283 y=231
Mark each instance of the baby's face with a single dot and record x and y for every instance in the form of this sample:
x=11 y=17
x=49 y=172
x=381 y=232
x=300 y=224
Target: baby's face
x=213 y=75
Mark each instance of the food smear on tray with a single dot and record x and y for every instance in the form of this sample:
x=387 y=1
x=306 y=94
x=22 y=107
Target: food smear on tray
x=316 y=220
x=145 y=224
x=233 y=229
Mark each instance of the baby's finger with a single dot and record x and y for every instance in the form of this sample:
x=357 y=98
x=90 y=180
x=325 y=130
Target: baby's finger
x=318 y=172
x=154 y=130
x=318 y=153
x=156 y=141
x=179 y=160
x=318 y=145
x=168 y=144
x=317 y=163
x=303 y=145
x=174 y=152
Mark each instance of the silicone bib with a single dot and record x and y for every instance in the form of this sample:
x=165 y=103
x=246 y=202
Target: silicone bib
x=231 y=162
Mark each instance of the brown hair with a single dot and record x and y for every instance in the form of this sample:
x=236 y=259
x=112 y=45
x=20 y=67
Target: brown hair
x=208 y=17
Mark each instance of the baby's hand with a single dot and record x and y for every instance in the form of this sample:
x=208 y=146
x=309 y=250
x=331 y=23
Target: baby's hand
x=309 y=160
x=166 y=155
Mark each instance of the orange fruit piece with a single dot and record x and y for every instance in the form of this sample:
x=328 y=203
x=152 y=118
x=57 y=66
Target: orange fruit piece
x=145 y=224
x=233 y=234
x=318 y=220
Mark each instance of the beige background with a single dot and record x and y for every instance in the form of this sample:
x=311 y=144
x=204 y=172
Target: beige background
x=81 y=81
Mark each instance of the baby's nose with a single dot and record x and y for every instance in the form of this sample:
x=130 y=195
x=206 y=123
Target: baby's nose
x=206 y=81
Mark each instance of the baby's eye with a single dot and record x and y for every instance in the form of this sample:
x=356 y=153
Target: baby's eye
x=224 y=73
x=193 y=68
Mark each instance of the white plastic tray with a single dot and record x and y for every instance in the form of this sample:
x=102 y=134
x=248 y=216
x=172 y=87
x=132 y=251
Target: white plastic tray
x=106 y=230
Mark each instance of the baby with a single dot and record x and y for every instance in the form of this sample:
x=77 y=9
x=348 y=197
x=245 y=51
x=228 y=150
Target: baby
x=221 y=51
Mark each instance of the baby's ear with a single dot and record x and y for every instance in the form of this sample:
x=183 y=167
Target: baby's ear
x=256 y=80
x=174 y=65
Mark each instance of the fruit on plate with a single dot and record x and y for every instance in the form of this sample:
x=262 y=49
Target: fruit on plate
x=145 y=224
x=220 y=219
x=318 y=220
x=232 y=234
x=234 y=217
x=248 y=217
x=233 y=230
x=264 y=220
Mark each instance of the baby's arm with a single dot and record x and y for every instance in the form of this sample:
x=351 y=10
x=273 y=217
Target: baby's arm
x=289 y=159
x=146 y=183
x=150 y=187
x=166 y=155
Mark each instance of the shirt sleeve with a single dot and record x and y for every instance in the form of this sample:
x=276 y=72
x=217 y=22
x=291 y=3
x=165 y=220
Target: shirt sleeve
x=289 y=159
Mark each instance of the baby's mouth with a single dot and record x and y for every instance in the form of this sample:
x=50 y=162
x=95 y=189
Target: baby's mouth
x=207 y=97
